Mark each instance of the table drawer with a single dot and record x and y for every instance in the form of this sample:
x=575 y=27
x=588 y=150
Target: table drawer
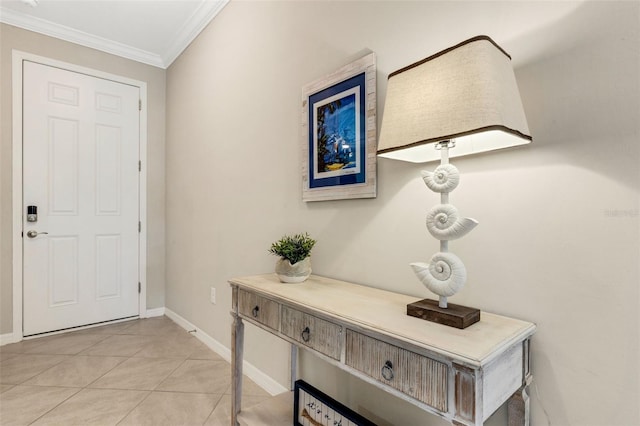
x=260 y=309
x=418 y=376
x=315 y=333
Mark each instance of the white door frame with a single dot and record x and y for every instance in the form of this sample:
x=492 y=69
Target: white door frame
x=17 y=58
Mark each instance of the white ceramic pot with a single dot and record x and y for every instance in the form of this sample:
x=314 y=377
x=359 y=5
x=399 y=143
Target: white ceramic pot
x=296 y=273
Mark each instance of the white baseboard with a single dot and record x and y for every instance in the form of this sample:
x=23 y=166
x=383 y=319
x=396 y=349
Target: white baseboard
x=8 y=338
x=157 y=312
x=255 y=374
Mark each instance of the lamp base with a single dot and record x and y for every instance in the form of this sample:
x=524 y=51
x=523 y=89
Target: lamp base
x=453 y=315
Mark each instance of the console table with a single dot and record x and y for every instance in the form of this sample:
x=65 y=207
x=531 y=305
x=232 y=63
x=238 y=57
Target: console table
x=462 y=376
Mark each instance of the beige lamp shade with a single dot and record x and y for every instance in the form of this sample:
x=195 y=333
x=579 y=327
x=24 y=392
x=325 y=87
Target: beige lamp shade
x=467 y=92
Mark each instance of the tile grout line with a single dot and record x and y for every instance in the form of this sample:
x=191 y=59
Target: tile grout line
x=157 y=385
x=60 y=403
x=149 y=392
x=66 y=358
x=212 y=410
x=147 y=333
x=143 y=399
x=79 y=389
x=134 y=407
x=169 y=375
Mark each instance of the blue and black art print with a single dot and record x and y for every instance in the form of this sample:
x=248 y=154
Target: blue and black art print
x=337 y=134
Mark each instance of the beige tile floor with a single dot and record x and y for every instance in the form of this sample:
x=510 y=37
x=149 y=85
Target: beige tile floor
x=141 y=372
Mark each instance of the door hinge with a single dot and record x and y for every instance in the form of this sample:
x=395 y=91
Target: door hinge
x=139 y=226
x=139 y=287
x=139 y=166
x=139 y=104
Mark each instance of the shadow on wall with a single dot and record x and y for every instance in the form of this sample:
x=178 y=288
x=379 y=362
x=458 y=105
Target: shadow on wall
x=581 y=91
x=541 y=362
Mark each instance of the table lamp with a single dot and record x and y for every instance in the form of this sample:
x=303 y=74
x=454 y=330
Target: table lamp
x=460 y=101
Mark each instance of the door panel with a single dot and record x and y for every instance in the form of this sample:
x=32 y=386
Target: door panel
x=108 y=256
x=63 y=166
x=108 y=141
x=63 y=268
x=80 y=166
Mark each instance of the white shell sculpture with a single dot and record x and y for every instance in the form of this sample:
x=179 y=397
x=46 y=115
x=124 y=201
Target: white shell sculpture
x=444 y=223
x=444 y=275
x=444 y=179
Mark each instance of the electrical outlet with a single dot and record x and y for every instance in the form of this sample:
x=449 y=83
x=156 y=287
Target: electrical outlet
x=212 y=297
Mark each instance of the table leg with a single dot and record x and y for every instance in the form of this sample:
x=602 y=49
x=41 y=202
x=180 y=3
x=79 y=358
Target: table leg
x=294 y=366
x=518 y=406
x=237 y=344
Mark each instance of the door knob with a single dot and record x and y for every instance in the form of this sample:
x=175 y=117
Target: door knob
x=32 y=233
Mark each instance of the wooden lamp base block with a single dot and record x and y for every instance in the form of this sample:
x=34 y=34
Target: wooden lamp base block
x=453 y=315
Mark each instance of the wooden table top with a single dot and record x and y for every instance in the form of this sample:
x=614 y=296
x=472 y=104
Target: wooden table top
x=384 y=311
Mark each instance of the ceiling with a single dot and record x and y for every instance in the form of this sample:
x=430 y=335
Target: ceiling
x=153 y=32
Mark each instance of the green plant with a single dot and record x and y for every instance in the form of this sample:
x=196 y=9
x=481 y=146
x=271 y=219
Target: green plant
x=294 y=248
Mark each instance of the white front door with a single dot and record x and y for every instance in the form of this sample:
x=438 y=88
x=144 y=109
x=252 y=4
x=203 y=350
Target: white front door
x=81 y=138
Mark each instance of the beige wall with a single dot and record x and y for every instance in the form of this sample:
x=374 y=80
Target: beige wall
x=558 y=241
x=27 y=41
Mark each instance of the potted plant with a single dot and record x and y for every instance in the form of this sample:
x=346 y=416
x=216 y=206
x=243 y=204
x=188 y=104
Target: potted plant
x=294 y=265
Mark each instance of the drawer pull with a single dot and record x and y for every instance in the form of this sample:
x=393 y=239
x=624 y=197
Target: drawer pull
x=306 y=334
x=387 y=370
x=255 y=311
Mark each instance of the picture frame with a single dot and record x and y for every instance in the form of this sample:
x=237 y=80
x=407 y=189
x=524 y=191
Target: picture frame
x=312 y=407
x=339 y=137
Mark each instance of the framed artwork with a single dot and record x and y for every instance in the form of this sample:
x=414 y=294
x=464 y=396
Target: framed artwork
x=339 y=133
x=312 y=407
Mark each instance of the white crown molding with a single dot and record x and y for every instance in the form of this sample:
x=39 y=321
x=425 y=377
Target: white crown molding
x=62 y=32
x=198 y=21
